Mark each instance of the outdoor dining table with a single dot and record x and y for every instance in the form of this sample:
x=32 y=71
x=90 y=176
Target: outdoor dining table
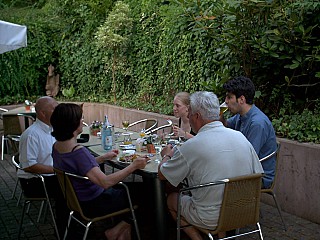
x=150 y=178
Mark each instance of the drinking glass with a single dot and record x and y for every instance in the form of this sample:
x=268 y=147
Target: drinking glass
x=125 y=124
x=223 y=108
x=182 y=137
x=166 y=137
x=142 y=133
x=156 y=139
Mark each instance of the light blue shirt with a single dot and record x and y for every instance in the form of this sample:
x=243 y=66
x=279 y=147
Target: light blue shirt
x=258 y=129
x=35 y=147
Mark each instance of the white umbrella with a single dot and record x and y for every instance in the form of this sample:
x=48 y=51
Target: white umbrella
x=12 y=36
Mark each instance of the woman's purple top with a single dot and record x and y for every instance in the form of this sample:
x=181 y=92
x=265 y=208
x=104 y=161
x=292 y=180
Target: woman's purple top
x=78 y=162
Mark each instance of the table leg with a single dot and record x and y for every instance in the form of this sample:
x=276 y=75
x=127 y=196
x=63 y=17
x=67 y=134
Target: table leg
x=160 y=208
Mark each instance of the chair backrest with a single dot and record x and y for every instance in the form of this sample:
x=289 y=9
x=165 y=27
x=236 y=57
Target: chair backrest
x=150 y=123
x=241 y=202
x=16 y=124
x=2 y=110
x=276 y=152
x=68 y=191
x=13 y=143
x=169 y=124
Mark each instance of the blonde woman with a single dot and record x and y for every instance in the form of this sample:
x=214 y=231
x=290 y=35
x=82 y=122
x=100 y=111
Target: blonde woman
x=181 y=103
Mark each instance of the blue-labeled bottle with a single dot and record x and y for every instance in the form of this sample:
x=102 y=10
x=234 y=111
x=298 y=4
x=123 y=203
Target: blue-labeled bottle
x=106 y=134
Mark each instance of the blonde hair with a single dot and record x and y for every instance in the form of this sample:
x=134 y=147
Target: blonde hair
x=184 y=97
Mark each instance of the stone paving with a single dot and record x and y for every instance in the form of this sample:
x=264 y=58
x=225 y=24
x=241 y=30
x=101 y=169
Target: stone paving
x=10 y=214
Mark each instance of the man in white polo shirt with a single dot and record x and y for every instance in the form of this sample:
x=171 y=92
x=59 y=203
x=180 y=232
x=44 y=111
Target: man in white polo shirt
x=35 y=150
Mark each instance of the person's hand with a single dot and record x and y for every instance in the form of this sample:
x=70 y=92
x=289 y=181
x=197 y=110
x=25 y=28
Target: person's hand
x=223 y=120
x=178 y=132
x=167 y=150
x=111 y=154
x=175 y=130
x=140 y=162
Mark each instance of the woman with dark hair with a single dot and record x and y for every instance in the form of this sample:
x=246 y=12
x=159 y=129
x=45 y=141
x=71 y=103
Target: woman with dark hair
x=97 y=197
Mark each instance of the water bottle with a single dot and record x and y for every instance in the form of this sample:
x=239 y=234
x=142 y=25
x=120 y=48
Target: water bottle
x=106 y=134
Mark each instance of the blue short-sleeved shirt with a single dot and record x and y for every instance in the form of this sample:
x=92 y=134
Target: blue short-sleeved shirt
x=258 y=129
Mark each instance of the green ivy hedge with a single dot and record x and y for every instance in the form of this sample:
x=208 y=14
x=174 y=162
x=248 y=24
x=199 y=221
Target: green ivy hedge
x=177 y=45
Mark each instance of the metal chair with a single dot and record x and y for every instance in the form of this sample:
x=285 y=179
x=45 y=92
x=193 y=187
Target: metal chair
x=270 y=190
x=150 y=123
x=74 y=205
x=29 y=199
x=159 y=128
x=239 y=208
x=13 y=142
x=2 y=110
x=12 y=126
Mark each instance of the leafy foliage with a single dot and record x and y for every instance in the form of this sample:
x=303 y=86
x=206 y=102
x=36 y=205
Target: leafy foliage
x=113 y=35
x=302 y=126
x=151 y=49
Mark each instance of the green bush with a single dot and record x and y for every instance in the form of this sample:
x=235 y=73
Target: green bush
x=301 y=126
x=176 y=45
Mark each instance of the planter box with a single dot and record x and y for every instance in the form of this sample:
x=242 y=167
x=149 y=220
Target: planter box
x=298 y=180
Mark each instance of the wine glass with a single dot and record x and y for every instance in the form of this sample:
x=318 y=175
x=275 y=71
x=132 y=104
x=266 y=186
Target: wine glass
x=142 y=133
x=223 y=108
x=125 y=124
x=156 y=140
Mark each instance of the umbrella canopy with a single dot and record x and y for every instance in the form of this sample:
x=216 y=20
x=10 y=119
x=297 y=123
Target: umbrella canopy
x=12 y=36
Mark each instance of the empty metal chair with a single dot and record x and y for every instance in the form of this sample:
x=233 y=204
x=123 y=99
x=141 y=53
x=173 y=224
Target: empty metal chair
x=2 y=110
x=270 y=190
x=74 y=205
x=150 y=123
x=239 y=208
x=13 y=143
x=159 y=128
x=12 y=125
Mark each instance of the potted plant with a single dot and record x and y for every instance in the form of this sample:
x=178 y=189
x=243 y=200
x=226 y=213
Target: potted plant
x=95 y=127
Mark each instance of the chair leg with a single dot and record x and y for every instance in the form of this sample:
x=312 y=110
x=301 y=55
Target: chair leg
x=260 y=232
x=210 y=236
x=279 y=210
x=87 y=230
x=40 y=211
x=53 y=219
x=19 y=198
x=68 y=225
x=15 y=189
x=22 y=216
x=2 y=147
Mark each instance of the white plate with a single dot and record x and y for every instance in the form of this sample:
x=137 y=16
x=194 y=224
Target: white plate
x=126 y=133
x=128 y=147
x=118 y=160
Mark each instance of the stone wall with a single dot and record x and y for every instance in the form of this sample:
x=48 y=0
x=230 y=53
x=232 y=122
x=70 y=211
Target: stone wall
x=298 y=180
x=96 y=111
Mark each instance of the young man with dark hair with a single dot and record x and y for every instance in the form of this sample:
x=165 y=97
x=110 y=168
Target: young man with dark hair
x=252 y=122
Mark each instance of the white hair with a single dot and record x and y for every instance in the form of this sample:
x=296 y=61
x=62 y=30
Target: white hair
x=205 y=103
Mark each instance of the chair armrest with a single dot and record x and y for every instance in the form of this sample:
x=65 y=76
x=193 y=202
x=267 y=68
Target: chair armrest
x=223 y=181
x=137 y=122
x=27 y=116
x=161 y=127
